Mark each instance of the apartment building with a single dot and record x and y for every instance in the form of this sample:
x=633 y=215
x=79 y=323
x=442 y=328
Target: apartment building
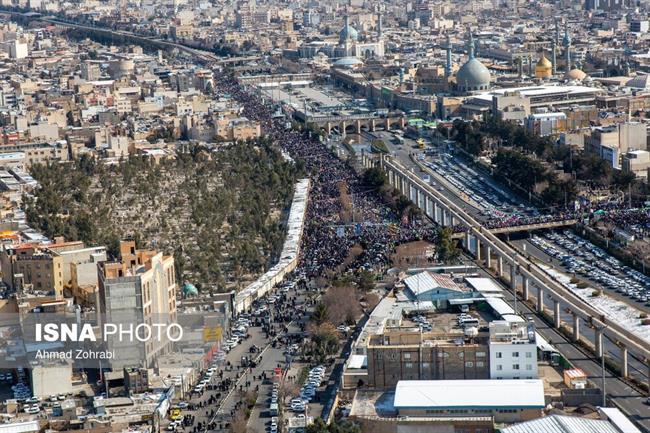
x=32 y=266
x=513 y=350
x=140 y=288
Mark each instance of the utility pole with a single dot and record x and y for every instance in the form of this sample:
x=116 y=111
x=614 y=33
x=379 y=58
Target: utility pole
x=602 y=365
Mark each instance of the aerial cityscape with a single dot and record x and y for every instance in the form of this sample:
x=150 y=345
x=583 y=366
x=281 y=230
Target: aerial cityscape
x=365 y=216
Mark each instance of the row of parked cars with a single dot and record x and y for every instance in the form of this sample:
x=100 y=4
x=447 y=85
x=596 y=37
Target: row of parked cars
x=238 y=332
x=207 y=377
x=20 y=389
x=580 y=256
x=308 y=390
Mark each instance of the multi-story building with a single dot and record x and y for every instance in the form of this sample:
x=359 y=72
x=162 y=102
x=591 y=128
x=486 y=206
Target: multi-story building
x=513 y=350
x=33 y=265
x=140 y=288
x=637 y=162
x=408 y=354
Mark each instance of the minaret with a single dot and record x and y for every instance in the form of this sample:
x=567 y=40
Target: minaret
x=567 y=47
x=471 y=45
x=346 y=43
x=380 y=27
x=447 y=48
x=554 y=57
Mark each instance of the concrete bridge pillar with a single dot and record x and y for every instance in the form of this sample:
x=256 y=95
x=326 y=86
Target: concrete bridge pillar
x=328 y=128
x=488 y=257
x=540 y=300
x=402 y=122
x=557 y=319
x=499 y=265
x=525 y=289
x=478 y=248
x=344 y=125
x=468 y=240
x=372 y=125
x=435 y=212
x=576 y=327
x=387 y=123
x=598 y=342
x=358 y=126
x=624 y=367
x=513 y=277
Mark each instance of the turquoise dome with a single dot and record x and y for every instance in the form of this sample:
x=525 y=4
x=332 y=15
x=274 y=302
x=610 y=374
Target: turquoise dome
x=348 y=32
x=190 y=289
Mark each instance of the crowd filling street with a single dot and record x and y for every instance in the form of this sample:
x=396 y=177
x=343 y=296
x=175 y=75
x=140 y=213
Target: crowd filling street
x=247 y=378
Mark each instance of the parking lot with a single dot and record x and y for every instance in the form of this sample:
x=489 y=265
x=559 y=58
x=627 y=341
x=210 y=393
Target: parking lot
x=586 y=261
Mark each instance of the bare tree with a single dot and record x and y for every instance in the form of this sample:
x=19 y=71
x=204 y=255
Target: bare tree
x=342 y=304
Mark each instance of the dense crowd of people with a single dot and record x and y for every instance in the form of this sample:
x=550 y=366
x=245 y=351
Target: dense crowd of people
x=327 y=239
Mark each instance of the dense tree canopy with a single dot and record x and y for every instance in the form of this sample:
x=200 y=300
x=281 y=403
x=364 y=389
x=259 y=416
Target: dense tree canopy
x=208 y=209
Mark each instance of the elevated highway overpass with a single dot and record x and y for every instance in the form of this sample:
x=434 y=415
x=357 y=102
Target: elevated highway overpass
x=487 y=248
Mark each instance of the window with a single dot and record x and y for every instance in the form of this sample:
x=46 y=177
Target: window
x=515 y=366
x=529 y=367
x=425 y=365
x=461 y=355
x=407 y=356
x=480 y=354
x=499 y=355
x=469 y=364
x=480 y=364
x=529 y=354
x=408 y=365
x=499 y=367
x=515 y=354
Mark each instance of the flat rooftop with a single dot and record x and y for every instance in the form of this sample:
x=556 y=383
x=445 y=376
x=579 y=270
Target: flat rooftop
x=469 y=394
x=533 y=91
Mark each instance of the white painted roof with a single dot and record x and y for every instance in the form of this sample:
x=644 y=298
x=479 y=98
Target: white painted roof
x=537 y=91
x=617 y=418
x=358 y=361
x=562 y=424
x=432 y=394
x=484 y=285
x=20 y=427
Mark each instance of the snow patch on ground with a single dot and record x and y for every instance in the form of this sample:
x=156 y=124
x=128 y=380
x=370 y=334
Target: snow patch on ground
x=626 y=315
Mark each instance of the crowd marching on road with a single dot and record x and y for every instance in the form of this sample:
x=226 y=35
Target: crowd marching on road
x=323 y=247
x=274 y=329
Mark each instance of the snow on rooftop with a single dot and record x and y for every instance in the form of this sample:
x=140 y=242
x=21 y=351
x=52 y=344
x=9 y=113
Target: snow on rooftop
x=424 y=282
x=562 y=424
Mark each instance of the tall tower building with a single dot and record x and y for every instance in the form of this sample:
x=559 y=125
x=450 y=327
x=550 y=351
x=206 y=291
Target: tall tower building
x=567 y=47
x=447 y=47
x=140 y=288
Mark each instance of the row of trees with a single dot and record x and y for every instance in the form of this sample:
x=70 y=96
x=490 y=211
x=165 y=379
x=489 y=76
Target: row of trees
x=527 y=160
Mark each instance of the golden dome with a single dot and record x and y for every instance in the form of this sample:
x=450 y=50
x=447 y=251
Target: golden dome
x=544 y=62
x=544 y=68
x=575 y=74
